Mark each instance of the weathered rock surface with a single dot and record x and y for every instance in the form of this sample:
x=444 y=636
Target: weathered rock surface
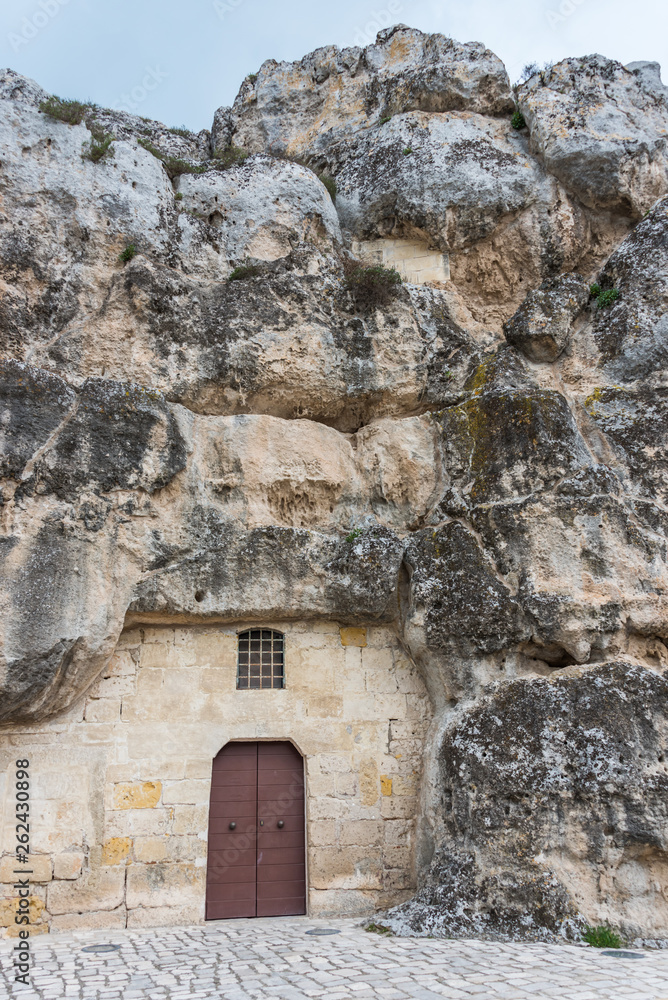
x=556 y=791
x=628 y=340
x=327 y=97
x=181 y=447
x=602 y=129
x=541 y=327
x=262 y=208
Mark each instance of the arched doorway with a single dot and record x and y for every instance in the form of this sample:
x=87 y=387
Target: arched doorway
x=256 y=863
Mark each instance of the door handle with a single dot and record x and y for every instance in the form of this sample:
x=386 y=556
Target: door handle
x=233 y=825
x=280 y=824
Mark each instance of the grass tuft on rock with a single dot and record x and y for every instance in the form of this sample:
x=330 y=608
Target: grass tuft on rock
x=378 y=929
x=223 y=159
x=174 y=165
x=330 y=184
x=244 y=271
x=99 y=145
x=371 y=286
x=71 y=112
x=127 y=254
x=602 y=937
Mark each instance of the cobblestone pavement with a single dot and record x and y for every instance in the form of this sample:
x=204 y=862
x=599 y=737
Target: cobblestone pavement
x=258 y=959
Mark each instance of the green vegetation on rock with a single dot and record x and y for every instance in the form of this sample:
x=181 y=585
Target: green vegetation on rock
x=70 y=112
x=603 y=297
x=223 y=159
x=378 y=929
x=602 y=937
x=244 y=271
x=174 y=165
x=127 y=254
x=330 y=184
x=371 y=286
x=99 y=144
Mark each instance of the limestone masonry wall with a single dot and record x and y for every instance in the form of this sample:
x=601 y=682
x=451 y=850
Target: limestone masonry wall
x=120 y=798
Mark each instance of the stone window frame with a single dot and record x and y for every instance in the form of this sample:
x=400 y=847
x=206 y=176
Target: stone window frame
x=260 y=659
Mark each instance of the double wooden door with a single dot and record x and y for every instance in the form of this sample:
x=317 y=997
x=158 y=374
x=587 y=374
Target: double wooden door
x=256 y=859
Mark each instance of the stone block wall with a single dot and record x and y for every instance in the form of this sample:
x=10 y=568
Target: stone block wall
x=120 y=782
x=415 y=261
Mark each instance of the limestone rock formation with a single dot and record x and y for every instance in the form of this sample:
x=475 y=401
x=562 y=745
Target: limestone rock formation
x=219 y=425
x=327 y=97
x=601 y=128
x=541 y=327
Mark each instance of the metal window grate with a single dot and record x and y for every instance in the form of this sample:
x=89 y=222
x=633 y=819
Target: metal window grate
x=260 y=663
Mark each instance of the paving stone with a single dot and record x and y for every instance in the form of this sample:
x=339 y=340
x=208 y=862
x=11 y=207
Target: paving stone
x=263 y=959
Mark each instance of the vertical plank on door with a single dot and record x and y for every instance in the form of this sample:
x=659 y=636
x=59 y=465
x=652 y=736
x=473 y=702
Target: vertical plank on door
x=281 y=867
x=231 y=878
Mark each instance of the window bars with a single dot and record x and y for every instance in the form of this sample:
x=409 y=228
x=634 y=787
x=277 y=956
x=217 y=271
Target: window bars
x=260 y=659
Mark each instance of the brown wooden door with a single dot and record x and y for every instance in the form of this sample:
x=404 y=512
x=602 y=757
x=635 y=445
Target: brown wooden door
x=257 y=868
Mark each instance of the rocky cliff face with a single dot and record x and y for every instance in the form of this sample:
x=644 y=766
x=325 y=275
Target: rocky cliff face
x=481 y=460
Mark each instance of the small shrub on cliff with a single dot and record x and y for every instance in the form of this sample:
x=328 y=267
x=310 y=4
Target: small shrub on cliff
x=517 y=121
x=71 y=112
x=99 y=144
x=371 y=286
x=127 y=254
x=603 y=297
x=607 y=297
x=174 y=165
x=223 y=159
x=244 y=271
x=529 y=70
x=602 y=937
x=330 y=184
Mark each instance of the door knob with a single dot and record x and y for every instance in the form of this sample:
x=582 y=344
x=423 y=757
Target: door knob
x=233 y=826
x=280 y=824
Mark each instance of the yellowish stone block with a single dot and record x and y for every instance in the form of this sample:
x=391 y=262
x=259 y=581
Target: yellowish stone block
x=136 y=795
x=353 y=636
x=115 y=850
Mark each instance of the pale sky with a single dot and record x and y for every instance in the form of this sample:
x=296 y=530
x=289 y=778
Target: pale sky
x=178 y=61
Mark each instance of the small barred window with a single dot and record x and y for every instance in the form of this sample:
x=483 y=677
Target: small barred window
x=260 y=663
